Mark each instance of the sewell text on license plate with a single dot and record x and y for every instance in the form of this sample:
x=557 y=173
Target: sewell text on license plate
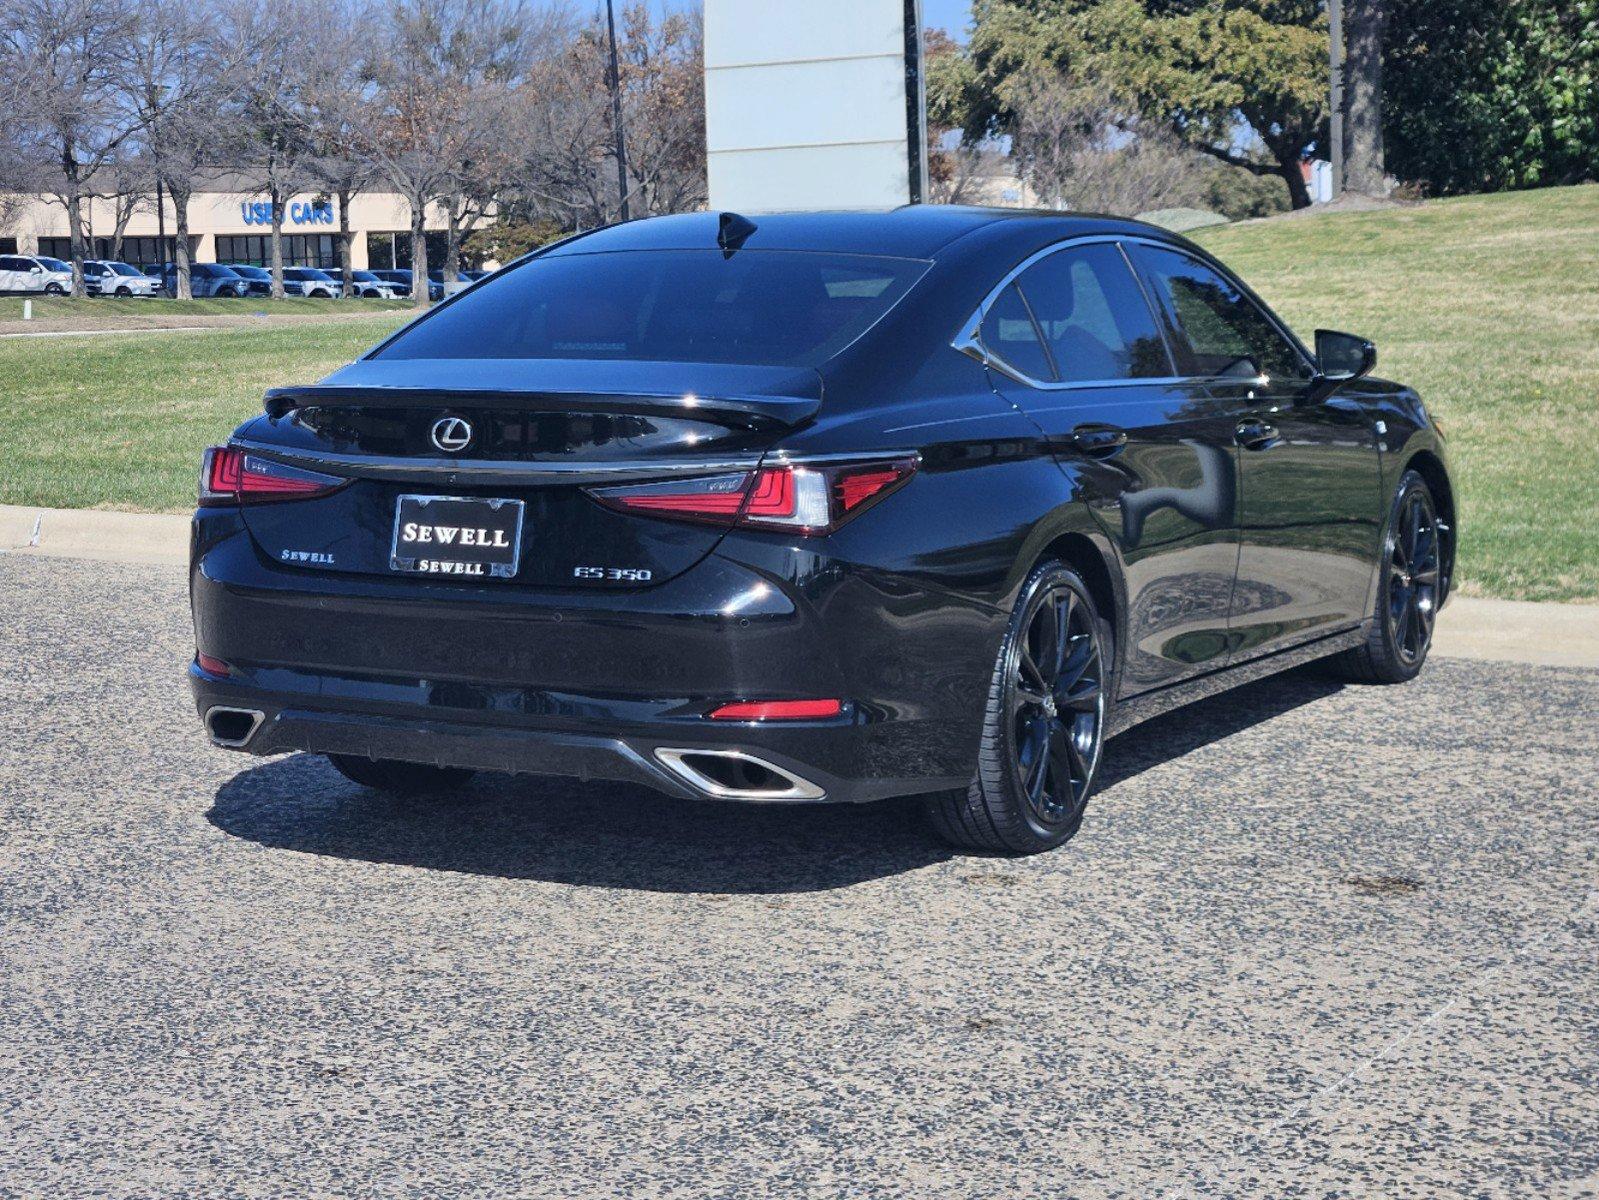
x=461 y=536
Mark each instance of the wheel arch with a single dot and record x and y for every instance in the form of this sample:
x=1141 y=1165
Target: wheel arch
x=1096 y=565
x=1431 y=468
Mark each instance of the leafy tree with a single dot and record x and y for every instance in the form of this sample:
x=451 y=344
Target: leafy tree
x=1482 y=95
x=1225 y=74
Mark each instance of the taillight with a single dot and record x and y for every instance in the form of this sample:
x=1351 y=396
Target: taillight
x=229 y=475
x=805 y=498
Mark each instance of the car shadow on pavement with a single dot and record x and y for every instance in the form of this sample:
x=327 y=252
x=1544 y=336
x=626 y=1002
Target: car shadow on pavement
x=616 y=836
x=1184 y=730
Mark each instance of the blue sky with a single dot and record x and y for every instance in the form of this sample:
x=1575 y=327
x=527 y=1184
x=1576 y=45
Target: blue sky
x=951 y=15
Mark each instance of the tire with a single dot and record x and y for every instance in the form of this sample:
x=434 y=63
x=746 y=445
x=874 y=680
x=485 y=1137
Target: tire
x=54 y=289
x=399 y=778
x=123 y=293
x=1045 y=706
x=1408 y=594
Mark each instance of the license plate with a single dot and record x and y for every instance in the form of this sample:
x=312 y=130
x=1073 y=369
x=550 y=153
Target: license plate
x=458 y=536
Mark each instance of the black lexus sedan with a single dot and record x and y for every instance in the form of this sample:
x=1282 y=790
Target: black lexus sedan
x=814 y=508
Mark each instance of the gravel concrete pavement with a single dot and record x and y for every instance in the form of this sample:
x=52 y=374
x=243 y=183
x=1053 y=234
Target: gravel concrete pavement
x=1312 y=941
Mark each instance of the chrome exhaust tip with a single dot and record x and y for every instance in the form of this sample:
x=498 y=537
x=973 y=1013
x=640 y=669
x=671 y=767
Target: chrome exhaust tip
x=232 y=727
x=735 y=775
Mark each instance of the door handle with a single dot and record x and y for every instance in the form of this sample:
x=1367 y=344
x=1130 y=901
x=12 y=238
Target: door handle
x=1255 y=434
x=1099 y=440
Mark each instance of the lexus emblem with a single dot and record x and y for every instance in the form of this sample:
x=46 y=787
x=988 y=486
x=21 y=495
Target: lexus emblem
x=451 y=434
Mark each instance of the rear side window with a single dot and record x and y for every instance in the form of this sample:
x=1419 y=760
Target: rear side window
x=764 y=308
x=1093 y=316
x=1223 y=331
x=1010 y=334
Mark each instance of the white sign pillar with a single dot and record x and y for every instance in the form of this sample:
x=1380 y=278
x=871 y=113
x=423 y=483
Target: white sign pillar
x=814 y=104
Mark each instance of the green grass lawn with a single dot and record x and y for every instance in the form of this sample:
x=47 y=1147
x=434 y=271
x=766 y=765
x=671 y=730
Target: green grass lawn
x=1489 y=307
x=110 y=312
x=118 y=421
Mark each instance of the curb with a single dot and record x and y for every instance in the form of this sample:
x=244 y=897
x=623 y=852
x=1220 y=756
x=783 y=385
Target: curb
x=1545 y=635
x=86 y=533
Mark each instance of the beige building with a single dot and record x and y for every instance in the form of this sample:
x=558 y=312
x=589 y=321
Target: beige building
x=230 y=222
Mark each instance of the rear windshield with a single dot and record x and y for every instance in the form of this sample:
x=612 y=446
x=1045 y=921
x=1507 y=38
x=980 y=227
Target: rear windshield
x=764 y=308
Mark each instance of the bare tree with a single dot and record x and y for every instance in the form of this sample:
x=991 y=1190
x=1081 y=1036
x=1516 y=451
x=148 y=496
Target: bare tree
x=568 y=171
x=131 y=180
x=185 y=81
x=1081 y=147
x=443 y=74
x=334 y=103
x=73 y=110
x=273 y=121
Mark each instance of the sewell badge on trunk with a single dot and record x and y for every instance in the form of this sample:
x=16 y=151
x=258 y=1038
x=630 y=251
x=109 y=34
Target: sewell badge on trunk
x=457 y=535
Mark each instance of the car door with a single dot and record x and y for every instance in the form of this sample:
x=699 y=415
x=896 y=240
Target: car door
x=1076 y=346
x=1310 y=506
x=8 y=274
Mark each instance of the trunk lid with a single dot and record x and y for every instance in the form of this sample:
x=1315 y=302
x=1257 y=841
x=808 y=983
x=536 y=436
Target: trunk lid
x=534 y=432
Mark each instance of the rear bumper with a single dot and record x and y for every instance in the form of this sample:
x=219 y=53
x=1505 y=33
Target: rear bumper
x=592 y=684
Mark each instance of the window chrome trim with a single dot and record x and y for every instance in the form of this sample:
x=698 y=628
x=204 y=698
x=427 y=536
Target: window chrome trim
x=968 y=339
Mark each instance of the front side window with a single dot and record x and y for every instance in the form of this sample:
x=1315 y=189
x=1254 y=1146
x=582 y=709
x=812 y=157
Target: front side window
x=1093 y=316
x=762 y=308
x=1222 y=331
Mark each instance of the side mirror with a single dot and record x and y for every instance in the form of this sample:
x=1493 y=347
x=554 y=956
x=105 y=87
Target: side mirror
x=1340 y=357
x=36 y=269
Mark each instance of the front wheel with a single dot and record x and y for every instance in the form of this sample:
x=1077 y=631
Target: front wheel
x=1043 y=728
x=123 y=293
x=399 y=778
x=1408 y=593
x=54 y=289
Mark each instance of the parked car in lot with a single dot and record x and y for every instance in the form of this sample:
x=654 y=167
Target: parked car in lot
x=35 y=273
x=105 y=278
x=206 y=280
x=371 y=286
x=257 y=279
x=310 y=282
x=825 y=507
x=402 y=277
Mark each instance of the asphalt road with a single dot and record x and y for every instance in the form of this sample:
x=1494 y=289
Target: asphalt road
x=1311 y=942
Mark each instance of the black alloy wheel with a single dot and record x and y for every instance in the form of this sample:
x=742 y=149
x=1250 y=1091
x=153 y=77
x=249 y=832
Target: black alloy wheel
x=1410 y=591
x=1056 y=704
x=1413 y=575
x=55 y=289
x=1044 y=730
x=124 y=293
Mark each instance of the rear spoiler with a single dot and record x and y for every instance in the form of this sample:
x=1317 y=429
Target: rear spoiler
x=741 y=397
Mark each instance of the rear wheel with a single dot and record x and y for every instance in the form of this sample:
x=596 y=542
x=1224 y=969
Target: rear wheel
x=400 y=778
x=1408 y=593
x=1044 y=728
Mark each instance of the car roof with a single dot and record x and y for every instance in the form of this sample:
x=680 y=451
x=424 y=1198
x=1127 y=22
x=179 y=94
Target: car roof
x=913 y=231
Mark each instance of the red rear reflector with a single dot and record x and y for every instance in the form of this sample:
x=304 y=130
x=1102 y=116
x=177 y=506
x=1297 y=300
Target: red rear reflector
x=802 y=498
x=229 y=475
x=778 y=710
x=212 y=666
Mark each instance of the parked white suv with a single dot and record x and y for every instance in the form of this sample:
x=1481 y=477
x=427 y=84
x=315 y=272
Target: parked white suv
x=34 y=273
x=102 y=278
